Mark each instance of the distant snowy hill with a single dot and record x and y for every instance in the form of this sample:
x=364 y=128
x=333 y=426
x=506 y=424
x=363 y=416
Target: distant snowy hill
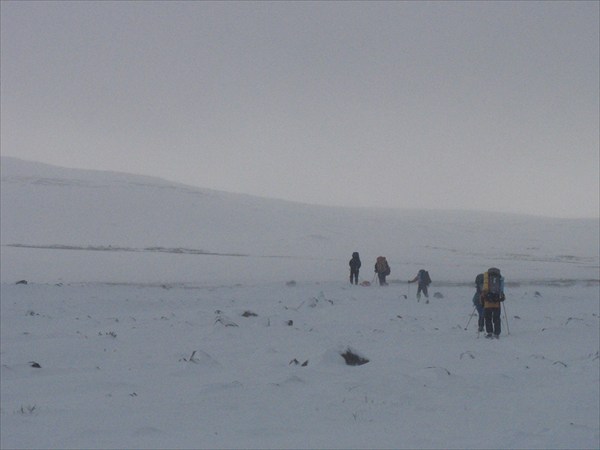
x=110 y=226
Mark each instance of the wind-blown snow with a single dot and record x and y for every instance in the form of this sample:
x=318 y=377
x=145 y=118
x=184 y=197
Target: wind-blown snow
x=165 y=316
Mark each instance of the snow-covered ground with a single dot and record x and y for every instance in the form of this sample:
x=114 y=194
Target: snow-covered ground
x=167 y=316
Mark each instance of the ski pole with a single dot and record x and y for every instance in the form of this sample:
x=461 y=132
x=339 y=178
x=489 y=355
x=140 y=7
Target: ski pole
x=506 y=318
x=470 y=317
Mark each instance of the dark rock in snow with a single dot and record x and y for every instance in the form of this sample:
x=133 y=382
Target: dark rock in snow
x=297 y=363
x=21 y=282
x=353 y=359
x=438 y=295
x=249 y=314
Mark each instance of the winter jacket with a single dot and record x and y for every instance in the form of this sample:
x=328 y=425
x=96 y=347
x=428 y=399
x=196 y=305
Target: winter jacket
x=422 y=279
x=488 y=304
x=354 y=262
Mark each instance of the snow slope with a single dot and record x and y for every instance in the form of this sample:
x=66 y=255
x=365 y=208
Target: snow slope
x=55 y=208
x=167 y=316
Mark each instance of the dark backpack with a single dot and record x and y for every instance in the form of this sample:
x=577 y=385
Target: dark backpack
x=424 y=277
x=493 y=285
x=479 y=282
x=382 y=266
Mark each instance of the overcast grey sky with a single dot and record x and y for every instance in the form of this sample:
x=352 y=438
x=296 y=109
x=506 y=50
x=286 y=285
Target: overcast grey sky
x=454 y=105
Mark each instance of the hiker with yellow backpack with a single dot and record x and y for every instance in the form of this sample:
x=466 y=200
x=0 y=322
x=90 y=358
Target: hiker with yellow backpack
x=492 y=296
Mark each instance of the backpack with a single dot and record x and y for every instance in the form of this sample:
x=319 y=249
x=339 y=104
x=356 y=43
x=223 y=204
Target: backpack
x=382 y=266
x=424 y=277
x=479 y=282
x=493 y=285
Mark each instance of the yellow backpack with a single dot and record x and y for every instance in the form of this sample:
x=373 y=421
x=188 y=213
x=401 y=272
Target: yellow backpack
x=493 y=286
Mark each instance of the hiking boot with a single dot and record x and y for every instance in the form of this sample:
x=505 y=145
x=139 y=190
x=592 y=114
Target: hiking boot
x=480 y=330
x=489 y=336
x=497 y=336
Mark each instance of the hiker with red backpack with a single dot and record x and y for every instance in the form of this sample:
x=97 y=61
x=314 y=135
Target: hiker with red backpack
x=354 y=267
x=423 y=281
x=382 y=269
x=492 y=295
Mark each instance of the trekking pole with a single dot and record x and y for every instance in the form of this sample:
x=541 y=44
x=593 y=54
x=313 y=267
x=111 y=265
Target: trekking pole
x=470 y=317
x=506 y=318
x=374 y=276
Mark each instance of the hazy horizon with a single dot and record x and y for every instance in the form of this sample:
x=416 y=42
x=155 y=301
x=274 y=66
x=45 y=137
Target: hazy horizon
x=399 y=209
x=484 y=106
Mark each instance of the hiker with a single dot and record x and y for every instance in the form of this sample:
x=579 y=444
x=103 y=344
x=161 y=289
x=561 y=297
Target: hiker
x=354 y=266
x=382 y=269
x=492 y=294
x=423 y=280
x=477 y=301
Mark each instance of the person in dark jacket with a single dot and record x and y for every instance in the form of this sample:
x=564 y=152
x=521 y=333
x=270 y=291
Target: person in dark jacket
x=423 y=281
x=477 y=301
x=354 y=267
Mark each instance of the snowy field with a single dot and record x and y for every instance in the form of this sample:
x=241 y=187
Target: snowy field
x=157 y=315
